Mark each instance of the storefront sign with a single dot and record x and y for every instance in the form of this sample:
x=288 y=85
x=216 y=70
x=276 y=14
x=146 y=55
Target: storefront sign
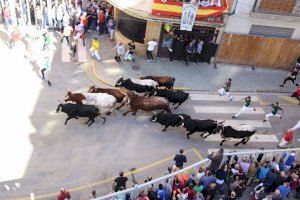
x=189 y=12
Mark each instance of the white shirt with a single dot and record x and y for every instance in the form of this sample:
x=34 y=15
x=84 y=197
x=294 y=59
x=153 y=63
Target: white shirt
x=151 y=45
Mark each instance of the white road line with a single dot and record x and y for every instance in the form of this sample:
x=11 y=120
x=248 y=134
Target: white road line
x=253 y=123
x=218 y=109
x=254 y=138
x=81 y=52
x=65 y=49
x=211 y=97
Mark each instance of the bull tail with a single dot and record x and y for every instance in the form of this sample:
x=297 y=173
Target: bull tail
x=59 y=107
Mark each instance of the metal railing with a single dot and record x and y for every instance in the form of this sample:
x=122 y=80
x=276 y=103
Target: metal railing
x=227 y=158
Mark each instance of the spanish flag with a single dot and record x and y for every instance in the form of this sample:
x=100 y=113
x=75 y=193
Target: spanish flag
x=174 y=9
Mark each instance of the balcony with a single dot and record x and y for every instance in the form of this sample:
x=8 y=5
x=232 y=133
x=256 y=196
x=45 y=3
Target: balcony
x=286 y=10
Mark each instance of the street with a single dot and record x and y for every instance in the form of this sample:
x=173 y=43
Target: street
x=39 y=153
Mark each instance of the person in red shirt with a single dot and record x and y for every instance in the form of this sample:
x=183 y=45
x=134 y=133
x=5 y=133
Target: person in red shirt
x=64 y=194
x=191 y=192
x=84 y=20
x=102 y=21
x=14 y=37
x=286 y=140
x=297 y=94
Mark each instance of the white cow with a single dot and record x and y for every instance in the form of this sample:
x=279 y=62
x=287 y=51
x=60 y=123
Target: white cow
x=104 y=102
x=148 y=82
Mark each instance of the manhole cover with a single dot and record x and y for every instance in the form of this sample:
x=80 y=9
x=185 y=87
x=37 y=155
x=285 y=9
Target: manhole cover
x=136 y=67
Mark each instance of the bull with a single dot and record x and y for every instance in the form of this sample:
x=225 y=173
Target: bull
x=120 y=96
x=163 y=81
x=128 y=84
x=176 y=97
x=195 y=125
x=227 y=132
x=167 y=119
x=146 y=103
x=77 y=110
x=104 y=102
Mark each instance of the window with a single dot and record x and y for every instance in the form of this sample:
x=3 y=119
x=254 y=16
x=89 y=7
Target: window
x=271 y=31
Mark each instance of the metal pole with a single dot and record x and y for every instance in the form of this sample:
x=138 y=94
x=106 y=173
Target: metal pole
x=34 y=6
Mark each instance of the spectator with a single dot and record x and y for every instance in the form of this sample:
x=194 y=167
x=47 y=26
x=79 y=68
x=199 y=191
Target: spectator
x=239 y=190
x=221 y=174
x=111 y=25
x=207 y=179
x=14 y=37
x=45 y=69
x=245 y=165
x=198 y=51
x=120 y=182
x=290 y=160
x=262 y=172
x=63 y=195
x=284 y=189
x=191 y=192
x=129 y=53
x=270 y=180
x=216 y=159
x=143 y=196
x=190 y=49
x=161 y=193
x=102 y=21
x=273 y=164
x=120 y=51
x=179 y=159
x=93 y=194
x=151 y=46
x=232 y=196
x=200 y=173
x=280 y=178
x=276 y=195
x=259 y=192
x=297 y=94
x=209 y=193
x=253 y=169
x=281 y=165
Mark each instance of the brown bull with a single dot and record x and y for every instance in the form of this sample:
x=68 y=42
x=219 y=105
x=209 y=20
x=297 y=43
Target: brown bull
x=121 y=97
x=146 y=103
x=165 y=81
x=74 y=97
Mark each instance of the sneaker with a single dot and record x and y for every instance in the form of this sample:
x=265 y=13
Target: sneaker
x=233 y=117
x=254 y=109
x=281 y=85
x=148 y=60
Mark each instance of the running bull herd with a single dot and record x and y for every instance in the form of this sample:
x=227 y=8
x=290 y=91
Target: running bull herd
x=104 y=101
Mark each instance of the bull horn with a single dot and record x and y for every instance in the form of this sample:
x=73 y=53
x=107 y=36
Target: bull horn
x=154 y=112
x=221 y=122
x=181 y=117
x=182 y=125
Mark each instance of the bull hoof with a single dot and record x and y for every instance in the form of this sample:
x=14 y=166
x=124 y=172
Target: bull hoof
x=133 y=113
x=124 y=114
x=164 y=130
x=221 y=144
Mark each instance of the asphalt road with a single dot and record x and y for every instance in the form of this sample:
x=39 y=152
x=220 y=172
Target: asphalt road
x=39 y=153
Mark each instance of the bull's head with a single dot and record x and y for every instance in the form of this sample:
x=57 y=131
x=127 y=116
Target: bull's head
x=219 y=128
x=154 y=117
x=68 y=96
x=92 y=89
x=142 y=78
x=152 y=92
x=119 y=82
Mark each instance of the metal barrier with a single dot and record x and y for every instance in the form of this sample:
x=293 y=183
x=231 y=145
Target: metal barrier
x=227 y=158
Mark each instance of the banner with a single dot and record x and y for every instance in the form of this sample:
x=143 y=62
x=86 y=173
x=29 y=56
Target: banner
x=189 y=12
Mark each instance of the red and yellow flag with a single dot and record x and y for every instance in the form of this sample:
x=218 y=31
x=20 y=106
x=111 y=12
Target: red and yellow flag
x=174 y=9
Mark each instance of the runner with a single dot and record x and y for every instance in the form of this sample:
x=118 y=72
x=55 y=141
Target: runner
x=286 y=140
x=95 y=48
x=274 y=111
x=246 y=107
x=297 y=126
x=226 y=90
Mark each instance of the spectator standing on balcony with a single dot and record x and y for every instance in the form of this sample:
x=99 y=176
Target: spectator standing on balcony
x=216 y=159
x=151 y=46
x=275 y=108
x=179 y=159
x=63 y=195
x=120 y=182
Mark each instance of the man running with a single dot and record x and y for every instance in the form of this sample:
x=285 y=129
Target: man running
x=274 y=111
x=246 y=107
x=226 y=90
x=297 y=94
x=95 y=48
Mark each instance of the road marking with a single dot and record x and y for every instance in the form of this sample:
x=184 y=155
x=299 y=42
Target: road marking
x=43 y=196
x=253 y=123
x=290 y=99
x=260 y=100
x=254 y=138
x=217 y=109
x=212 y=97
x=199 y=155
x=65 y=49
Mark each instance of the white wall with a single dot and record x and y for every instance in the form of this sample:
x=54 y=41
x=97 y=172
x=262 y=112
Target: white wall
x=241 y=21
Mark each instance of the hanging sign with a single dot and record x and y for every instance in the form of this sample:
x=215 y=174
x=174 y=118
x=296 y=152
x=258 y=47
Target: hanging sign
x=189 y=12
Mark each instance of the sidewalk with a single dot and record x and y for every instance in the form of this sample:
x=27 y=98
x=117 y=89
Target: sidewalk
x=198 y=77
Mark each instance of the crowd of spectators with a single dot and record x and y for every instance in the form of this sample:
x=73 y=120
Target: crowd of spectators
x=262 y=178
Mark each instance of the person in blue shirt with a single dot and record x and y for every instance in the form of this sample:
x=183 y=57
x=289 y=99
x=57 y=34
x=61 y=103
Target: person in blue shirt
x=161 y=193
x=284 y=189
x=290 y=160
x=262 y=172
x=207 y=179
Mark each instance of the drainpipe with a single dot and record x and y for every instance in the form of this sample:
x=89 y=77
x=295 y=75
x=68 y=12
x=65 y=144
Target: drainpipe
x=225 y=24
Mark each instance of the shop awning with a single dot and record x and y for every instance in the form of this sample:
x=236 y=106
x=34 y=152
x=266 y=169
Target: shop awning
x=174 y=9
